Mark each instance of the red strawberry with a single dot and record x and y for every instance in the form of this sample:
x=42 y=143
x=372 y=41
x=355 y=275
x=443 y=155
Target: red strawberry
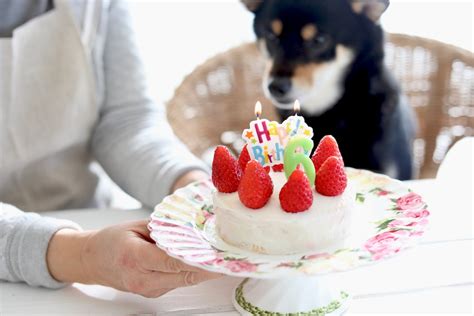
x=244 y=158
x=327 y=147
x=296 y=195
x=331 y=179
x=256 y=186
x=278 y=168
x=225 y=171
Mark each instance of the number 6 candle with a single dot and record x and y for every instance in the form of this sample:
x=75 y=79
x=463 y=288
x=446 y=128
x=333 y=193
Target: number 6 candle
x=294 y=156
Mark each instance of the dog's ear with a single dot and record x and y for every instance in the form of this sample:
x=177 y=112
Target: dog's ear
x=373 y=9
x=252 y=5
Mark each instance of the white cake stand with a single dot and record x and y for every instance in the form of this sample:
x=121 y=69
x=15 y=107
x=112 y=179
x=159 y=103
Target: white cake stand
x=388 y=218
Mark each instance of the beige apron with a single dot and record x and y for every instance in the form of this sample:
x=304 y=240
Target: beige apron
x=48 y=111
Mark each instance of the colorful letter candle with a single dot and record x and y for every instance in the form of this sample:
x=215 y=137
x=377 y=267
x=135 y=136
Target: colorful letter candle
x=266 y=140
x=295 y=124
x=263 y=140
x=297 y=153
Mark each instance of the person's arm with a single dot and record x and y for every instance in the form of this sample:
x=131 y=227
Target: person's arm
x=51 y=253
x=133 y=141
x=24 y=239
x=121 y=256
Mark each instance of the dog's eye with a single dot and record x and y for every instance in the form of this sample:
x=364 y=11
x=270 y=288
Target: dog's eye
x=271 y=37
x=320 y=39
x=320 y=42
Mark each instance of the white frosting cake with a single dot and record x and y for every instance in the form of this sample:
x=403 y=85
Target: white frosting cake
x=270 y=230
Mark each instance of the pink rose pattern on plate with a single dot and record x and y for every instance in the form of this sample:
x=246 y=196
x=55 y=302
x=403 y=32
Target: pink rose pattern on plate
x=411 y=201
x=409 y=219
x=405 y=217
x=236 y=265
x=386 y=243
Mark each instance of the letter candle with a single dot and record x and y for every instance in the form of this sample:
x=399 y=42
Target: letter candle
x=263 y=142
x=266 y=140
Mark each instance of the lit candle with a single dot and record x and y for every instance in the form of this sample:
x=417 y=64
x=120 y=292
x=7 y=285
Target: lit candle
x=258 y=109
x=293 y=156
x=298 y=120
x=296 y=107
x=262 y=140
x=295 y=124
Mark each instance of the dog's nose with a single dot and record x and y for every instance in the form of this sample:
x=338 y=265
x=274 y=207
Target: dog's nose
x=280 y=86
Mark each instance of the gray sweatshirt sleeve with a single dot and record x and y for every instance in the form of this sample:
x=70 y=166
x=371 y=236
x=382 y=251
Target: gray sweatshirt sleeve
x=133 y=141
x=24 y=239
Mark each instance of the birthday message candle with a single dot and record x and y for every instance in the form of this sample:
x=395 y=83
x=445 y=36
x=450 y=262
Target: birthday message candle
x=263 y=140
x=267 y=140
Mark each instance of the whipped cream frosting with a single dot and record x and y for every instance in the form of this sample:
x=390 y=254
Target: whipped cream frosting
x=271 y=230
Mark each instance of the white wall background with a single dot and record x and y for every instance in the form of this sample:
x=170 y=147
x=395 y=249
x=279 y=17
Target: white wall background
x=175 y=35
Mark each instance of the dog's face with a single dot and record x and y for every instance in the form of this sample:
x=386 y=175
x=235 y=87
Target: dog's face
x=310 y=45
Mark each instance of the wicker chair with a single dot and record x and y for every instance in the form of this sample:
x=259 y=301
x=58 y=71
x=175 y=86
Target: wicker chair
x=219 y=96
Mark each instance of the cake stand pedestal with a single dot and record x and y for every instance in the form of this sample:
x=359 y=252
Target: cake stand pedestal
x=302 y=295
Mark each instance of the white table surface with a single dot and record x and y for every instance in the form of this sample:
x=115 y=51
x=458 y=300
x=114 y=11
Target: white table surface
x=434 y=277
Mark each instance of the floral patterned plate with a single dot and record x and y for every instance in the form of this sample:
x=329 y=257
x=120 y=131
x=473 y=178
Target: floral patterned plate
x=388 y=218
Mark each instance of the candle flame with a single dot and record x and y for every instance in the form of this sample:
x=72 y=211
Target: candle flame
x=258 y=109
x=297 y=107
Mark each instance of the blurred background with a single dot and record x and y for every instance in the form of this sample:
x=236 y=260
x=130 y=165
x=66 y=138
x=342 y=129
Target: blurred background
x=197 y=48
x=176 y=36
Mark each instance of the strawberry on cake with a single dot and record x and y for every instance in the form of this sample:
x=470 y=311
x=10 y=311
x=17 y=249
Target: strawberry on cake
x=264 y=211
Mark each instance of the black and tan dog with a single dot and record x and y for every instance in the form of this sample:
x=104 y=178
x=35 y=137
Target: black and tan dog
x=329 y=54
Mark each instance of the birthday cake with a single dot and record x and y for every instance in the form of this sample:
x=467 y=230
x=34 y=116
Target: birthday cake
x=277 y=200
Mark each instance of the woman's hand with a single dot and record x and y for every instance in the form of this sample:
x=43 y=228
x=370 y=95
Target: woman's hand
x=121 y=256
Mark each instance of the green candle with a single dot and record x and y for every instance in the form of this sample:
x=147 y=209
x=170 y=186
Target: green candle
x=292 y=158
